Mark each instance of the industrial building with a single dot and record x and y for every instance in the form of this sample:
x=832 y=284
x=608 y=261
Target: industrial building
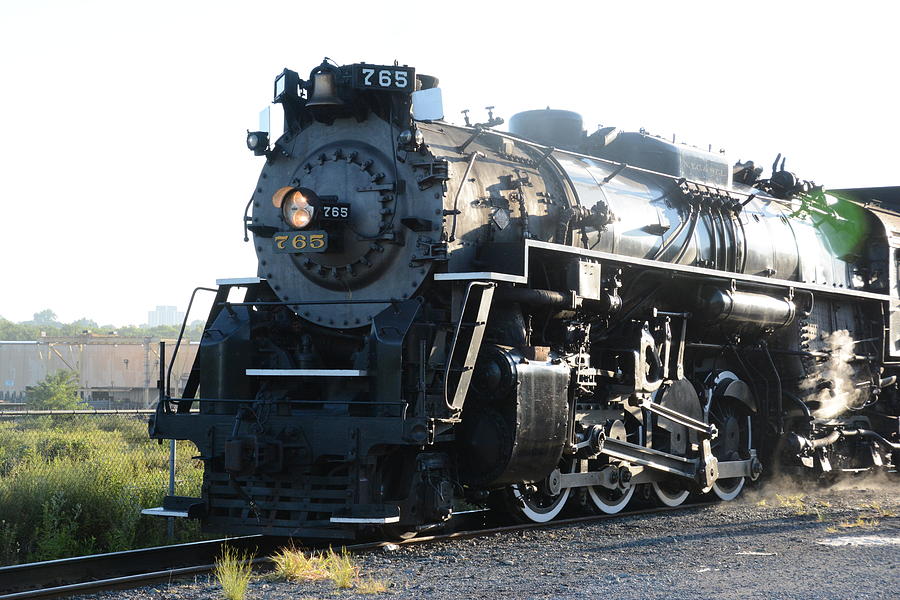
x=113 y=371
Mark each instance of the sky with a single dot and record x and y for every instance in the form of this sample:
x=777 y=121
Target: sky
x=124 y=174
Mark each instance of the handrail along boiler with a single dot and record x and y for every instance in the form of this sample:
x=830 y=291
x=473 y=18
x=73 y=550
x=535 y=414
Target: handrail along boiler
x=526 y=320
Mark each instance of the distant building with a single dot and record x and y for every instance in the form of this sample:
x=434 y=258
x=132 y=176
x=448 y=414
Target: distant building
x=113 y=372
x=164 y=315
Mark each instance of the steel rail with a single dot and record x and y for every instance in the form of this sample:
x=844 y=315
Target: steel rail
x=90 y=574
x=65 y=576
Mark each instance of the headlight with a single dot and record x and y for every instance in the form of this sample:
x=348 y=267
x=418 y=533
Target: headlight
x=296 y=210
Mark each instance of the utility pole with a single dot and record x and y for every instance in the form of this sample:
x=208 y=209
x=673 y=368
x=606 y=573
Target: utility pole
x=146 y=372
x=170 y=527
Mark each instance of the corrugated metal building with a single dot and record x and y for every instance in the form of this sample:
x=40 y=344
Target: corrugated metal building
x=113 y=371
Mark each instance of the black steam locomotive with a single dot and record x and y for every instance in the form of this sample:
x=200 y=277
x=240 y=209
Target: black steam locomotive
x=525 y=320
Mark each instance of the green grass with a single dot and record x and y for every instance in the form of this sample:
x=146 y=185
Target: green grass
x=72 y=485
x=233 y=571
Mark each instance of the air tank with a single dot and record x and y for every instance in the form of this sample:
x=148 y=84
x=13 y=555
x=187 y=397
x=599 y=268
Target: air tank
x=744 y=310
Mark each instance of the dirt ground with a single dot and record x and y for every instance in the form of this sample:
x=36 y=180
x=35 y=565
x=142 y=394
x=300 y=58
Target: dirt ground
x=776 y=541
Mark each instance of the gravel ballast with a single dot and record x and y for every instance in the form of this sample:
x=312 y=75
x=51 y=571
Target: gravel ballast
x=773 y=542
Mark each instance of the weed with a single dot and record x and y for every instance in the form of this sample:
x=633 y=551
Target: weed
x=233 y=570
x=341 y=569
x=831 y=529
x=859 y=522
x=794 y=501
x=818 y=509
x=879 y=511
x=294 y=565
x=802 y=506
x=367 y=585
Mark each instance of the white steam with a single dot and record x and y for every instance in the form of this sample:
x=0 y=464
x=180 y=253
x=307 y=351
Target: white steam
x=836 y=378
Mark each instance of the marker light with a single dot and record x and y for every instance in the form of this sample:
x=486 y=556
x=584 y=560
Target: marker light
x=296 y=210
x=258 y=142
x=287 y=85
x=279 y=196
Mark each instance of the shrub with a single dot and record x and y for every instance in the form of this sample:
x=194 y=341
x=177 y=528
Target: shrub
x=56 y=534
x=9 y=543
x=76 y=484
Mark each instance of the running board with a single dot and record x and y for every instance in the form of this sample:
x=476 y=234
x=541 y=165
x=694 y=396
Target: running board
x=182 y=507
x=159 y=511
x=372 y=520
x=307 y=372
x=376 y=514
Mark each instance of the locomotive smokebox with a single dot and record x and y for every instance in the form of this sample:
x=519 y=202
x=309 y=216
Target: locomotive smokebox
x=557 y=128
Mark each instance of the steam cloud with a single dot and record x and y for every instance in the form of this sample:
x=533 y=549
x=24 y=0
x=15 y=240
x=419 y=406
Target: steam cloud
x=840 y=376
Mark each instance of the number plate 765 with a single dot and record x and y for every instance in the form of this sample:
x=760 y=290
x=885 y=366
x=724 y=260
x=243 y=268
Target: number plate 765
x=293 y=242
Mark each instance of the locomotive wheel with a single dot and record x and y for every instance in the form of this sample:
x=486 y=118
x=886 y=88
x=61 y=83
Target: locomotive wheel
x=671 y=437
x=670 y=493
x=606 y=500
x=536 y=503
x=735 y=437
x=610 y=501
x=728 y=489
x=734 y=440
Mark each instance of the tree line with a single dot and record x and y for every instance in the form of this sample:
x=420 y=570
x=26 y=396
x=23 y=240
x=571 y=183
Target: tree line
x=45 y=323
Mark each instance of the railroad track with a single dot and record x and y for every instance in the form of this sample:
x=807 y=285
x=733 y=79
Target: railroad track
x=134 y=568
x=130 y=568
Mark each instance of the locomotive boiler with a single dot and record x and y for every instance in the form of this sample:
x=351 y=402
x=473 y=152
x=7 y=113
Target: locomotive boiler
x=526 y=320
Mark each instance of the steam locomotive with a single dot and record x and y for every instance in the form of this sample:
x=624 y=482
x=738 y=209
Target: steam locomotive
x=527 y=320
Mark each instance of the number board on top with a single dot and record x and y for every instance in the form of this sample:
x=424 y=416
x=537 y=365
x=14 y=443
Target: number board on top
x=335 y=211
x=384 y=78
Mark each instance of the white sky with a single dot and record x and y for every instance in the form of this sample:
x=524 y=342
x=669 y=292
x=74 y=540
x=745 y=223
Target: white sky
x=124 y=174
